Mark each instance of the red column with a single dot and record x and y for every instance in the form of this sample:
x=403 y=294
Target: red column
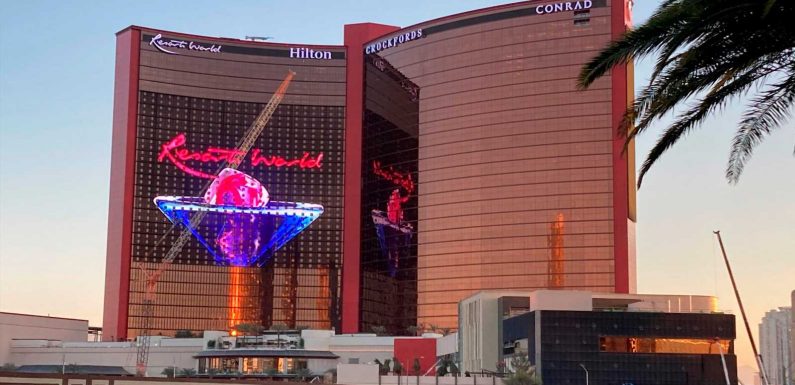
x=122 y=178
x=621 y=163
x=356 y=35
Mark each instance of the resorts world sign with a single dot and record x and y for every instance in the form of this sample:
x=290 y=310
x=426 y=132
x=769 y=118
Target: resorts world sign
x=166 y=45
x=175 y=152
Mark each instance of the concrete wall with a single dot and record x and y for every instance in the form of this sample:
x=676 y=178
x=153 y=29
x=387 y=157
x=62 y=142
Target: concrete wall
x=365 y=348
x=561 y=300
x=25 y=326
x=74 y=379
x=447 y=345
x=348 y=374
x=676 y=303
x=165 y=353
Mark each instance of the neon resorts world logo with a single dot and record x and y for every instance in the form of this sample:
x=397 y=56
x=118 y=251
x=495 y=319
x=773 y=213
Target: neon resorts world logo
x=165 y=45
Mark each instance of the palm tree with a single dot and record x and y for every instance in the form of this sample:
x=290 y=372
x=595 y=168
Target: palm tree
x=714 y=51
x=523 y=372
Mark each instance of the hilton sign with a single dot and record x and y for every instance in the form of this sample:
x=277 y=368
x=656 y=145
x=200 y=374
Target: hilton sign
x=308 y=53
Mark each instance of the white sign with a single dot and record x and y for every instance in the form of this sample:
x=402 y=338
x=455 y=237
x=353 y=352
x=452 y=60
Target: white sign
x=563 y=6
x=308 y=53
x=393 y=41
x=164 y=45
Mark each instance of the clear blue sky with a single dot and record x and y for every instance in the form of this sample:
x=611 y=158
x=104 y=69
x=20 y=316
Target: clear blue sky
x=56 y=91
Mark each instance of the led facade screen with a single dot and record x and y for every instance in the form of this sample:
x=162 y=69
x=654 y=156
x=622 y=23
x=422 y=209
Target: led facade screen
x=389 y=198
x=193 y=109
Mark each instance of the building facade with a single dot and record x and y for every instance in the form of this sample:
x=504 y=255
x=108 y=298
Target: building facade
x=610 y=338
x=451 y=156
x=775 y=335
x=182 y=102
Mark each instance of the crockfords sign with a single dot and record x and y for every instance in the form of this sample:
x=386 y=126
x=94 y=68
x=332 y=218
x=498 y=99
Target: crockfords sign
x=307 y=53
x=564 y=6
x=393 y=41
x=167 y=45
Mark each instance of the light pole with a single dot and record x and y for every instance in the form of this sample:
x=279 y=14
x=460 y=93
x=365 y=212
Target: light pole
x=586 y=373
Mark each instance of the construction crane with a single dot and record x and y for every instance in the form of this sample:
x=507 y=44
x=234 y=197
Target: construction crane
x=757 y=357
x=152 y=277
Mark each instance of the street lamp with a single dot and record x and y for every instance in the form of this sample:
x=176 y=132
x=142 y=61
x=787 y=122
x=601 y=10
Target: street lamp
x=586 y=373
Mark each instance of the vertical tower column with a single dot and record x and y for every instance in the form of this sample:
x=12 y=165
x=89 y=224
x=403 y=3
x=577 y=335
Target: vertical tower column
x=356 y=35
x=122 y=179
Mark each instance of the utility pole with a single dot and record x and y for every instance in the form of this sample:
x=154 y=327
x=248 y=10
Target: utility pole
x=586 y=373
x=742 y=310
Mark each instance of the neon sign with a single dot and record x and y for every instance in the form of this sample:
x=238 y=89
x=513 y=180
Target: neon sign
x=396 y=177
x=174 y=150
x=162 y=45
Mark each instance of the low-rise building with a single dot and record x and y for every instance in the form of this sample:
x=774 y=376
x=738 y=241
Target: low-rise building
x=271 y=354
x=583 y=337
x=28 y=326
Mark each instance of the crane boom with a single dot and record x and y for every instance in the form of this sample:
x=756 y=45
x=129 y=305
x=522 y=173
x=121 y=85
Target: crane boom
x=243 y=147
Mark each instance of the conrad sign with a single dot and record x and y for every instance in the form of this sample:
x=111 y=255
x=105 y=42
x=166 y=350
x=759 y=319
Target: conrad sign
x=564 y=6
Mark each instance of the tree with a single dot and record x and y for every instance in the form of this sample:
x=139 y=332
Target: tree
x=713 y=51
x=397 y=367
x=250 y=329
x=523 y=373
x=302 y=374
x=8 y=367
x=446 y=366
x=279 y=329
x=383 y=367
x=168 y=372
x=187 y=372
x=412 y=330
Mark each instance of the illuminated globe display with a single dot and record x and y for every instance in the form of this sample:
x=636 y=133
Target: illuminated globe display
x=236 y=220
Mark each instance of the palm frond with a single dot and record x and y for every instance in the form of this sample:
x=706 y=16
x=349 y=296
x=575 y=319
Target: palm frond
x=767 y=112
x=712 y=102
x=717 y=48
x=635 y=43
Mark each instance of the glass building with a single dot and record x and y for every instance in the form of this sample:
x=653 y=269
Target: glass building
x=458 y=155
x=178 y=111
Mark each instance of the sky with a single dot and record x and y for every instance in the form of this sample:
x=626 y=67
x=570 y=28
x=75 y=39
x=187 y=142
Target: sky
x=56 y=94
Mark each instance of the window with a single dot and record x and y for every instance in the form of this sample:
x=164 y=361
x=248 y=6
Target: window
x=612 y=344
